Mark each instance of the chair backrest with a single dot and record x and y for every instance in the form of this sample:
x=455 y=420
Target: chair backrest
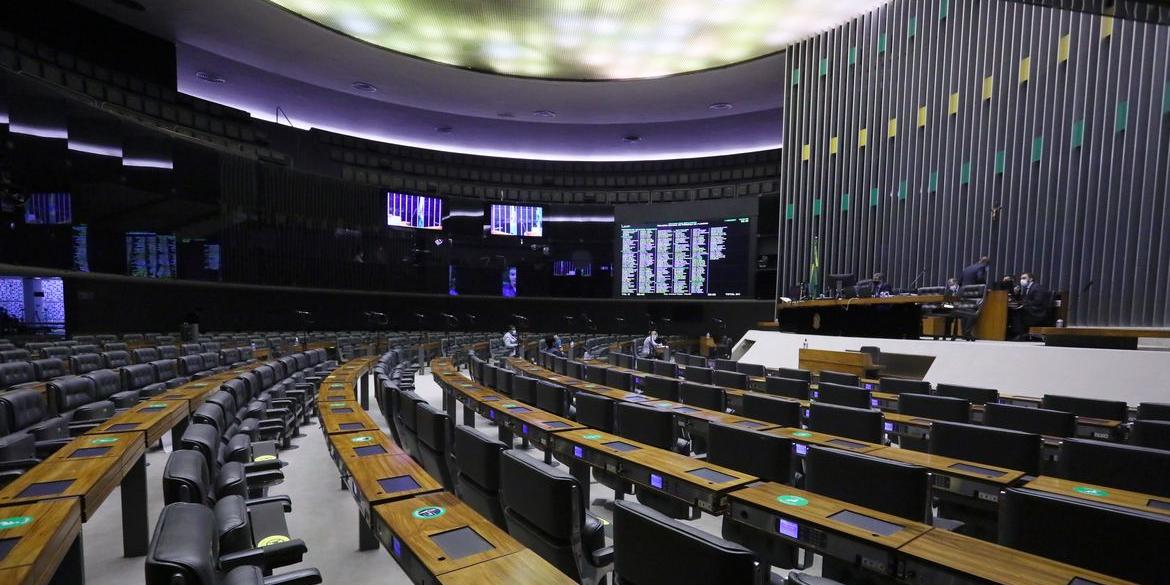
x=431 y=430
x=1154 y=411
x=988 y=445
x=85 y=348
x=838 y=394
x=15 y=355
x=210 y=346
x=186 y=478
x=665 y=368
x=168 y=352
x=1138 y=469
x=641 y=534
x=698 y=374
x=23 y=408
x=13 y=373
x=596 y=375
x=788 y=387
x=489 y=376
x=190 y=364
x=71 y=392
x=781 y=411
x=842 y=378
x=477 y=472
x=879 y=484
x=595 y=411
x=1087 y=407
x=900 y=385
x=703 y=396
x=651 y=426
x=935 y=407
x=971 y=393
x=843 y=421
x=757 y=370
x=138 y=376
x=524 y=389
x=552 y=397
x=166 y=369
x=183 y=548
x=794 y=373
x=644 y=365
x=144 y=355
x=211 y=360
x=768 y=457
x=724 y=364
x=60 y=352
x=543 y=510
x=503 y=383
x=1154 y=434
x=47 y=368
x=1054 y=423
x=575 y=369
x=106 y=383
x=191 y=349
x=661 y=388
x=619 y=380
x=728 y=379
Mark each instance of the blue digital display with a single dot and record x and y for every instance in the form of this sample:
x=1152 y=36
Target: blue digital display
x=815 y=394
x=802 y=450
x=869 y=386
x=578 y=452
x=889 y=427
x=517 y=220
x=806 y=413
x=873 y=402
x=492 y=414
x=655 y=481
x=523 y=429
x=396 y=546
x=788 y=528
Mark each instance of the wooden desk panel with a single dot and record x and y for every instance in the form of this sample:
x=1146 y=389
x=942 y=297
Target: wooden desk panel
x=333 y=421
x=115 y=445
x=154 y=419
x=946 y=465
x=365 y=477
x=984 y=560
x=521 y=567
x=401 y=522
x=49 y=529
x=1100 y=494
x=342 y=447
x=895 y=300
x=823 y=440
x=92 y=479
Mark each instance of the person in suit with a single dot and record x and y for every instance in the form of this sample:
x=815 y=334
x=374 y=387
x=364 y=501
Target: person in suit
x=1031 y=306
x=881 y=288
x=953 y=287
x=650 y=346
x=976 y=273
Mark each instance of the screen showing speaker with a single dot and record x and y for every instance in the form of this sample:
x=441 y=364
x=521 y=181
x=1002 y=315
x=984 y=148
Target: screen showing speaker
x=697 y=258
x=517 y=220
x=414 y=211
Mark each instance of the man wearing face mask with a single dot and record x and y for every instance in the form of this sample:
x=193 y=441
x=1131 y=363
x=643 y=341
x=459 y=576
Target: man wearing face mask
x=1032 y=304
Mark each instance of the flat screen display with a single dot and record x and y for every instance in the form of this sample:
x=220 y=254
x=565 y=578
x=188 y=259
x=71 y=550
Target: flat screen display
x=151 y=255
x=702 y=258
x=48 y=209
x=517 y=220
x=414 y=211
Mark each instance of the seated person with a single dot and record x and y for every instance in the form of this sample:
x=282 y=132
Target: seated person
x=512 y=341
x=881 y=288
x=1031 y=305
x=552 y=344
x=650 y=346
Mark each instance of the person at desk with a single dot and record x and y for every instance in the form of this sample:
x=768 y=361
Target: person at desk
x=552 y=344
x=1030 y=305
x=952 y=288
x=650 y=345
x=976 y=273
x=881 y=288
x=512 y=341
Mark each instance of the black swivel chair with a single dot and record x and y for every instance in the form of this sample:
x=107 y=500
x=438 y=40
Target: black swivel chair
x=781 y=411
x=724 y=364
x=794 y=373
x=1153 y=411
x=850 y=396
x=406 y=420
x=660 y=388
x=620 y=380
x=851 y=423
x=1127 y=467
x=903 y=385
x=788 y=387
x=757 y=370
x=524 y=389
x=595 y=412
x=830 y=377
x=476 y=472
x=1041 y=421
x=433 y=448
x=1154 y=434
x=972 y=393
x=595 y=375
x=935 y=408
x=657 y=428
x=543 y=510
x=736 y=380
x=1087 y=407
x=699 y=375
x=703 y=396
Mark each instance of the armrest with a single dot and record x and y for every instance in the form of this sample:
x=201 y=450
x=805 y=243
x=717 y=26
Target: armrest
x=50 y=446
x=264 y=478
x=302 y=577
x=284 y=501
x=259 y=466
x=601 y=557
x=274 y=555
x=80 y=428
x=18 y=464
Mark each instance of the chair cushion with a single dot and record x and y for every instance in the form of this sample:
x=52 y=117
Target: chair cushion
x=106 y=383
x=48 y=368
x=116 y=359
x=15 y=373
x=138 y=376
x=231 y=480
x=99 y=410
x=231 y=524
x=22 y=409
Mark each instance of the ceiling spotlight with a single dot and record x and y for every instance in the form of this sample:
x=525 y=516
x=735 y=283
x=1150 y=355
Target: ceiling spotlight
x=364 y=86
x=544 y=114
x=632 y=138
x=208 y=77
x=720 y=107
x=444 y=129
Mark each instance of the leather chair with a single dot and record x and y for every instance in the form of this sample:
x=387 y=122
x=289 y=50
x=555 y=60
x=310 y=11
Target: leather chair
x=972 y=393
x=1054 y=423
x=851 y=423
x=85 y=348
x=661 y=388
x=191 y=366
x=15 y=355
x=187 y=349
x=1128 y=467
x=851 y=396
x=554 y=398
x=703 y=396
x=903 y=385
x=107 y=385
x=729 y=379
x=168 y=352
x=1154 y=434
x=788 y=387
x=543 y=510
x=405 y=417
x=476 y=472
x=77 y=403
x=48 y=368
x=432 y=428
x=142 y=378
x=781 y=411
x=184 y=550
x=698 y=375
x=115 y=359
x=830 y=377
x=250 y=480
x=144 y=355
x=15 y=374
x=60 y=352
x=656 y=428
x=167 y=371
x=27 y=432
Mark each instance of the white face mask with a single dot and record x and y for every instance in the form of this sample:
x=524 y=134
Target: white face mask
x=1025 y=282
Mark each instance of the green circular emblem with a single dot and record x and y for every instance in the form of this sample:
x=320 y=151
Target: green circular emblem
x=802 y=434
x=1088 y=491
x=336 y=385
x=336 y=404
x=509 y=405
x=14 y=521
x=271 y=540
x=791 y=500
x=362 y=439
x=591 y=436
x=428 y=512
x=103 y=440
x=264 y=458
x=157 y=405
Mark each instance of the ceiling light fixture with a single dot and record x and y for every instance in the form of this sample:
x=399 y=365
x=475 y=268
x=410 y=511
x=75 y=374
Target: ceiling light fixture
x=208 y=77
x=720 y=106
x=364 y=86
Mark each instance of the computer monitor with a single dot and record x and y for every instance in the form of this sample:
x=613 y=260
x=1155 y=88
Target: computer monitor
x=972 y=393
x=900 y=385
x=661 y=388
x=780 y=411
x=1117 y=541
x=1041 y=421
x=935 y=407
x=1128 y=467
x=1087 y=407
x=728 y=379
x=665 y=368
x=887 y=486
x=702 y=396
x=988 y=445
x=851 y=396
x=788 y=387
x=619 y=380
x=843 y=421
x=697 y=374
x=768 y=457
x=642 y=535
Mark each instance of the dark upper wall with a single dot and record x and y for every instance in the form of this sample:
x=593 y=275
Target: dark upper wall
x=932 y=131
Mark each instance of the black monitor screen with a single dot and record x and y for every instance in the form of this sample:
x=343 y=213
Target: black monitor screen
x=707 y=258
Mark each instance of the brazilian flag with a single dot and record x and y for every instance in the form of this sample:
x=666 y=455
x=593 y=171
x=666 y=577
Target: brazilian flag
x=814 y=269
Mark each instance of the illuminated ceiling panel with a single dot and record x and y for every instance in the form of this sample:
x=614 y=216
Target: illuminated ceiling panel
x=582 y=39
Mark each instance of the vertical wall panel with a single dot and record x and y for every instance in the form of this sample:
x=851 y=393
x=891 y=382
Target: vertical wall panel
x=1055 y=161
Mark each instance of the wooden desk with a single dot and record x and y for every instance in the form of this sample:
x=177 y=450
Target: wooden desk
x=848 y=362
x=380 y=479
x=1097 y=337
x=939 y=556
x=889 y=317
x=806 y=437
x=976 y=481
x=667 y=472
x=153 y=419
x=351 y=449
x=407 y=528
x=344 y=417
x=1101 y=494
x=47 y=543
x=91 y=479
x=810 y=520
x=520 y=567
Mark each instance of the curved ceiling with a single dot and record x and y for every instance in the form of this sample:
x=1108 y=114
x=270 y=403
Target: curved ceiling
x=579 y=39
x=284 y=68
